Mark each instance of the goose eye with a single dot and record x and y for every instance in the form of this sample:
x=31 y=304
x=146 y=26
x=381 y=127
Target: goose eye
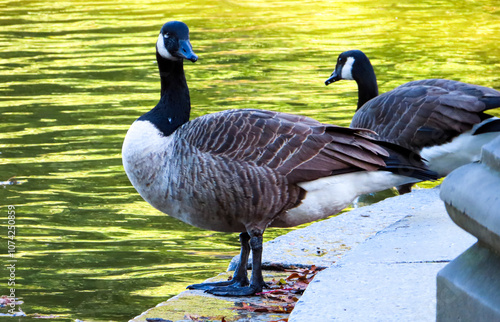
x=166 y=35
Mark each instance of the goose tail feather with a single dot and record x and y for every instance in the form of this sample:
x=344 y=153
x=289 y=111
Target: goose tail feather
x=406 y=162
x=491 y=102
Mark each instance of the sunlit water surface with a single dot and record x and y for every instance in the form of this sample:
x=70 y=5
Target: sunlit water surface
x=75 y=74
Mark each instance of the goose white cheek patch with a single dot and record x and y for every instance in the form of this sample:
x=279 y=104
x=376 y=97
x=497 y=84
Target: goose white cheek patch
x=347 y=69
x=160 y=44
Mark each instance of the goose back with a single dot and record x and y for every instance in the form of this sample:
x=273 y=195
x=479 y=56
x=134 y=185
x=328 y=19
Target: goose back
x=425 y=113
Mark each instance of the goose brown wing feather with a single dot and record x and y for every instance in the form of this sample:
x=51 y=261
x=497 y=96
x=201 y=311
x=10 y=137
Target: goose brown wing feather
x=395 y=116
x=423 y=113
x=451 y=85
x=300 y=148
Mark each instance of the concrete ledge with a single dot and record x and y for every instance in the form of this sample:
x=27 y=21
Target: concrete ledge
x=194 y=305
x=391 y=276
x=385 y=259
x=325 y=242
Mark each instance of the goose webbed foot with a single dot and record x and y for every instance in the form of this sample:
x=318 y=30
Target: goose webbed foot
x=256 y=282
x=234 y=290
x=239 y=285
x=240 y=278
x=209 y=286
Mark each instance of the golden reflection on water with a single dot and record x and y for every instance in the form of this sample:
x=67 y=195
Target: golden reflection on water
x=75 y=74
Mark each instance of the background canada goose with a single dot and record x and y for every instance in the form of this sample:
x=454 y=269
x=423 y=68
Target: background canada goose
x=245 y=170
x=443 y=120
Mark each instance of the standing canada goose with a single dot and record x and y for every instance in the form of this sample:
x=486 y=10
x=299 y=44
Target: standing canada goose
x=246 y=170
x=443 y=120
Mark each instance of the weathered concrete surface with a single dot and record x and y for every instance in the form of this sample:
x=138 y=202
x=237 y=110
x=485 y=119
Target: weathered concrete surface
x=194 y=305
x=385 y=259
x=468 y=289
x=391 y=276
x=323 y=243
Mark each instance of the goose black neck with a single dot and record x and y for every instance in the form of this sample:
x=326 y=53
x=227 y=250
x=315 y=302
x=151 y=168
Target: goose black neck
x=174 y=107
x=171 y=74
x=367 y=85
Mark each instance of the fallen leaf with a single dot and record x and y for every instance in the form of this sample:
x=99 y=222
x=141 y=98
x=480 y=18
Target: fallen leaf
x=293 y=275
x=192 y=317
x=282 y=296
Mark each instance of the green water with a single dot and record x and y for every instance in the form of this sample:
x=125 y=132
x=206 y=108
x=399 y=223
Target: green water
x=75 y=74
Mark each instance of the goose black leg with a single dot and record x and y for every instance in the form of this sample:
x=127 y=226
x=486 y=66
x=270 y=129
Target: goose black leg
x=405 y=188
x=256 y=281
x=240 y=278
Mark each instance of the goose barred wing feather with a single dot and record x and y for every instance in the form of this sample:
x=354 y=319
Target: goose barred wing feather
x=451 y=85
x=427 y=112
x=300 y=148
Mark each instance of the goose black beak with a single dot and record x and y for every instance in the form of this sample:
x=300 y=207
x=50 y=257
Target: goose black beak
x=186 y=51
x=333 y=78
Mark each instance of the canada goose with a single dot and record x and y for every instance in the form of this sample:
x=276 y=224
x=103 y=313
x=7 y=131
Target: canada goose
x=443 y=120
x=245 y=170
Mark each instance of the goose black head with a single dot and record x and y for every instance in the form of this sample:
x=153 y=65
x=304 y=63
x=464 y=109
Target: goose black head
x=173 y=42
x=352 y=65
